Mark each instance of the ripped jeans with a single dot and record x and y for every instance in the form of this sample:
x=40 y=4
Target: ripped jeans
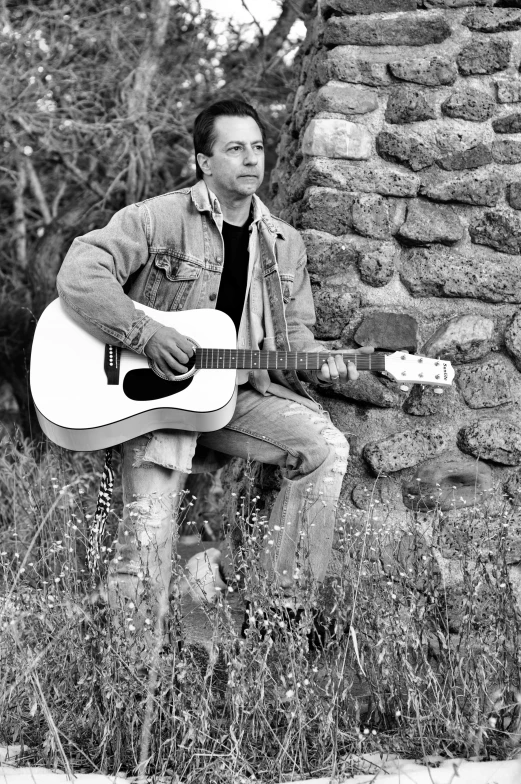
x=313 y=455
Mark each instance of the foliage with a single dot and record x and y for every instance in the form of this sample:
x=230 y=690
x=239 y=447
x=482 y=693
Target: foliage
x=418 y=668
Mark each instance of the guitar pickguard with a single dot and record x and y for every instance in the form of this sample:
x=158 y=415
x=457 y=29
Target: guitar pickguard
x=144 y=384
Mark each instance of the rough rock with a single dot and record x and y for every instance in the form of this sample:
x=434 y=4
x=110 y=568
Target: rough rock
x=406 y=449
x=395 y=31
x=497 y=229
x=382 y=493
x=473 y=158
x=423 y=401
x=367 y=389
x=486 y=385
x=510 y=123
x=428 y=223
x=370 y=216
x=431 y=71
x=513 y=487
x=388 y=331
x=493 y=20
x=377 y=266
x=337 y=139
x=492 y=439
x=506 y=151
x=407 y=105
x=339 y=64
x=514 y=195
x=476 y=187
x=335 y=306
x=469 y=104
x=438 y=272
x=328 y=255
x=462 y=339
x=369 y=6
x=452 y=3
x=513 y=340
x=328 y=210
x=484 y=56
x=508 y=90
x=361 y=177
x=407 y=149
x=345 y=98
x=448 y=482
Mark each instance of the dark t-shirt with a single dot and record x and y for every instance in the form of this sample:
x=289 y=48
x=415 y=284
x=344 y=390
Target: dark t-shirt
x=234 y=278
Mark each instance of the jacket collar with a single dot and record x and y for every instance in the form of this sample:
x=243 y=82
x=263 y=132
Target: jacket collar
x=206 y=201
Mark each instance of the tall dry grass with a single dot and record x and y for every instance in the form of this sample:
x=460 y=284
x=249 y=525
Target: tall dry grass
x=418 y=667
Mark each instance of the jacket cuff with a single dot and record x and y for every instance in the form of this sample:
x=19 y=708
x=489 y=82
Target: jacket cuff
x=141 y=333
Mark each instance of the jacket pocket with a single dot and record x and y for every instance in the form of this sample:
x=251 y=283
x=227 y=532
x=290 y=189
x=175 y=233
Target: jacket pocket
x=287 y=287
x=171 y=281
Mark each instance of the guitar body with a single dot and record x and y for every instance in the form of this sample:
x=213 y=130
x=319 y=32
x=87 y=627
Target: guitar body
x=80 y=410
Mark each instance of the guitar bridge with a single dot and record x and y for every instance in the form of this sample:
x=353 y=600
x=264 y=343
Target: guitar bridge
x=112 y=364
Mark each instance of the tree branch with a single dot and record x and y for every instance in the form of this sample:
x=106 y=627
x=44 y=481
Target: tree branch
x=20 y=226
x=38 y=193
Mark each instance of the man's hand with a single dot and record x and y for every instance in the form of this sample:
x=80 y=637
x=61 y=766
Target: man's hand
x=336 y=368
x=169 y=350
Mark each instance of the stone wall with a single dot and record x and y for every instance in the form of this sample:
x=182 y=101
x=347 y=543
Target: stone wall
x=401 y=165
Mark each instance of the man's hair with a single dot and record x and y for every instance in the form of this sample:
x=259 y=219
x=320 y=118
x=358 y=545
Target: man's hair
x=204 y=126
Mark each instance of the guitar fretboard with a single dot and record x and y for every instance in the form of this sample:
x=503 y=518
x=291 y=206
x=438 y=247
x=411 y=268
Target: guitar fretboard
x=246 y=359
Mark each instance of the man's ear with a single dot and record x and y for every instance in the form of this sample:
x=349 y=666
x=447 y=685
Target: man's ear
x=204 y=164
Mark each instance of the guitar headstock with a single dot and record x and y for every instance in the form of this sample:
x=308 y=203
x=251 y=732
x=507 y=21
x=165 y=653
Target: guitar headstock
x=412 y=369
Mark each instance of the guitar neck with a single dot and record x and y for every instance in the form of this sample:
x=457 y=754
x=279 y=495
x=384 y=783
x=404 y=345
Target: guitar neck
x=246 y=359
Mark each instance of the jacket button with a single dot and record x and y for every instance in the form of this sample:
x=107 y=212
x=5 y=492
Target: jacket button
x=219 y=259
x=212 y=297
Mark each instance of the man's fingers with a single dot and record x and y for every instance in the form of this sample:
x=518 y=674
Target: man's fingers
x=352 y=372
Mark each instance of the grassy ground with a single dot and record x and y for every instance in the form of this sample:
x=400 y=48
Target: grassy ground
x=419 y=669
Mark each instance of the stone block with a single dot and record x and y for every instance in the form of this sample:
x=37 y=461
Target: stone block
x=328 y=255
x=438 y=272
x=334 y=308
x=484 y=57
x=493 y=20
x=512 y=488
x=492 y=439
x=510 y=123
x=362 y=177
x=473 y=158
x=406 y=449
x=477 y=187
x=328 y=210
x=506 y=151
x=339 y=64
x=508 y=90
x=423 y=401
x=388 y=331
x=346 y=99
x=514 y=195
x=498 y=229
x=409 y=30
x=431 y=71
x=369 y=6
x=337 y=139
x=486 y=385
x=469 y=104
x=384 y=494
x=462 y=339
x=513 y=340
x=377 y=266
x=449 y=482
x=406 y=149
x=427 y=223
x=370 y=216
x=409 y=104
x=366 y=389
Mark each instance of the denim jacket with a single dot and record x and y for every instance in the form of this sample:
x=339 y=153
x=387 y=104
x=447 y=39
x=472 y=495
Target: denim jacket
x=167 y=252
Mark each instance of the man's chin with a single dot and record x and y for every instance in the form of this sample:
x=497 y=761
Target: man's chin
x=248 y=185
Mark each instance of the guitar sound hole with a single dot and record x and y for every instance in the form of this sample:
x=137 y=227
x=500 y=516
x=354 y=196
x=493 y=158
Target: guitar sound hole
x=144 y=384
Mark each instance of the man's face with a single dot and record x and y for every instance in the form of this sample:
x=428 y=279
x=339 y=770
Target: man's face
x=236 y=166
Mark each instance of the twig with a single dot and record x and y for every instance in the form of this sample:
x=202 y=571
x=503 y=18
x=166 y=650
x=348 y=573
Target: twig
x=38 y=193
x=94 y=186
x=19 y=215
x=257 y=23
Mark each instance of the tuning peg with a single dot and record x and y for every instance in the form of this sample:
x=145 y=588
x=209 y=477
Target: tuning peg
x=404 y=388
x=438 y=391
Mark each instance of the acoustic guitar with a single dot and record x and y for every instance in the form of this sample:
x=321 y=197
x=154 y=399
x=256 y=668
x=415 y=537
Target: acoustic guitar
x=89 y=395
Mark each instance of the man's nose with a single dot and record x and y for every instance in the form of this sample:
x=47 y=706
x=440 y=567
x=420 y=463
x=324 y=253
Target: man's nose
x=251 y=156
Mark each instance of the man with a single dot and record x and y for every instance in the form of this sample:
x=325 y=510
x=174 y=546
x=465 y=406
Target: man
x=214 y=245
